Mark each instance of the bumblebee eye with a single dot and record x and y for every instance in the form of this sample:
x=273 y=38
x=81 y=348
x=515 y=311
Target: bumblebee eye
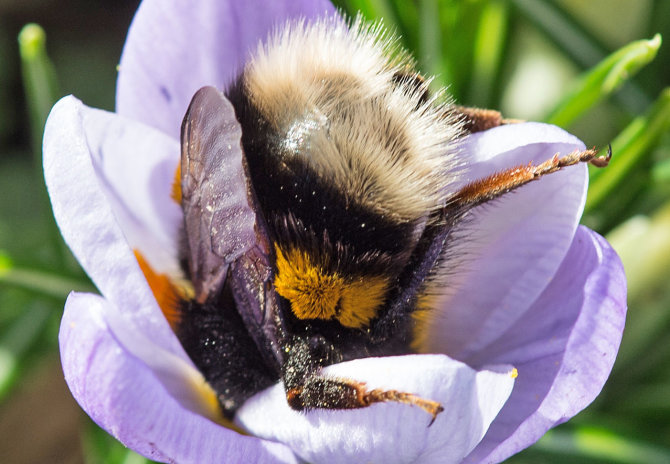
x=317 y=294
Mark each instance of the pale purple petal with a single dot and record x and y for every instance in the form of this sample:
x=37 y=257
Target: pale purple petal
x=136 y=166
x=564 y=347
x=508 y=250
x=89 y=225
x=124 y=397
x=483 y=148
x=176 y=47
x=389 y=432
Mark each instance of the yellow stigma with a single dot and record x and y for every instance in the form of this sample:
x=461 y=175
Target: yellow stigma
x=317 y=294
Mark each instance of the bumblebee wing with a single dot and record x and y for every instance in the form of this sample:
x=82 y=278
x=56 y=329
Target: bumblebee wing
x=224 y=230
x=219 y=220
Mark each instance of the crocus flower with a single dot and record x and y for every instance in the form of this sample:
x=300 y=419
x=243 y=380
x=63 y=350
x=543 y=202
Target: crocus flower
x=538 y=295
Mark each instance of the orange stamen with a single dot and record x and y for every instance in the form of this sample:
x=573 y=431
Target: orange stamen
x=165 y=292
x=176 y=185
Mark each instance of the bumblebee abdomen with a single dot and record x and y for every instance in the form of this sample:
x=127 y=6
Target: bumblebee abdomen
x=219 y=344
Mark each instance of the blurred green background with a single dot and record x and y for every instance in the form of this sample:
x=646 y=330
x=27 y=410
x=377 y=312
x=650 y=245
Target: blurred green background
x=595 y=67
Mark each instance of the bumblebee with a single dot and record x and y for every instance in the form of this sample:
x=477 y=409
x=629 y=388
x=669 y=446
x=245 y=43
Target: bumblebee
x=319 y=196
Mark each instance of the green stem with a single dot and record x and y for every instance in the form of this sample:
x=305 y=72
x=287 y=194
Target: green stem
x=44 y=283
x=631 y=147
x=41 y=88
x=39 y=81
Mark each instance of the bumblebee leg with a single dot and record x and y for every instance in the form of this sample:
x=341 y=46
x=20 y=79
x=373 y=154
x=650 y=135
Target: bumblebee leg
x=500 y=183
x=307 y=389
x=478 y=119
x=327 y=393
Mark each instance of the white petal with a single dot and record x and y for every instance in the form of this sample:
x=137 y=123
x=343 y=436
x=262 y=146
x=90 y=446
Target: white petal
x=388 y=432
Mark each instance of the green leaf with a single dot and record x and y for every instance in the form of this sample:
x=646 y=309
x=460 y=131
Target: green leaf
x=488 y=51
x=604 y=79
x=430 y=39
x=102 y=448
x=630 y=148
x=396 y=16
x=16 y=341
x=39 y=81
x=459 y=27
x=601 y=444
x=577 y=42
x=563 y=30
x=661 y=172
x=373 y=9
x=643 y=245
x=652 y=398
x=408 y=23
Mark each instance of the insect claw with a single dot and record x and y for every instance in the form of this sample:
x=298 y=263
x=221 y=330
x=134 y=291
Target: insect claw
x=602 y=161
x=434 y=413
